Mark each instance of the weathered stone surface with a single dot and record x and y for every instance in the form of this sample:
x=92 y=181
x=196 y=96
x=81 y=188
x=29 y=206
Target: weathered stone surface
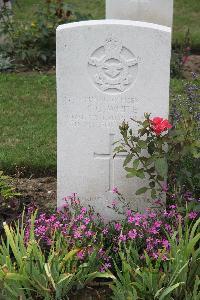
x=107 y=71
x=152 y=11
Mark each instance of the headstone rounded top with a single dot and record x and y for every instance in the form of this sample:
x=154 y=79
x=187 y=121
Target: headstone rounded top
x=153 y=11
x=114 y=22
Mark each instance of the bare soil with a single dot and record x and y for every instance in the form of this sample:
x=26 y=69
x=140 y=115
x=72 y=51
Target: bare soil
x=192 y=66
x=40 y=191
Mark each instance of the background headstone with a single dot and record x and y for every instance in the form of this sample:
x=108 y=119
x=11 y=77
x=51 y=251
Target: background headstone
x=107 y=71
x=152 y=11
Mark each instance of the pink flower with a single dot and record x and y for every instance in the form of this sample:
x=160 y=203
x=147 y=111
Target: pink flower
x=165 y=187
x=117 y=226
x=86 y=221
x=122 y=237
x=166 y=244
x=105 y=231
x=172 y=206
x=131 y=219
x=153 y=230
x=132 y=234
x=128 y=212
x=159 y=125
x=83 y=227
x=157 y=224
x=164 y=258
x=115 y=190
x=79 y=217
x=192 y=215
x=152 y=215
x=83 y=210
x=88 y=233
x=155 y=255
x=77 y=235
x=80 y=255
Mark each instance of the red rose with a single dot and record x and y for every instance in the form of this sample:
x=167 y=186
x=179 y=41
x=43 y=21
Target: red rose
x=158 y=125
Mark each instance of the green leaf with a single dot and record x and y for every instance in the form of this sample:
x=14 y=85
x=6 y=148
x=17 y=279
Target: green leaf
x=128 y=159
x=168 y=290
x=151 y=148
x=70 y=254
x=94 y=275
x=153 y=193
x=65 y=277
x=130 y=175
x=141 y=190
x=142 y=144
x=140 y=173
x=161 y=166
x=136 y=163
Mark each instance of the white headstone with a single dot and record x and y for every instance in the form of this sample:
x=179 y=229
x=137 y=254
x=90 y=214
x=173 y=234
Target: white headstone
x=107 y=71
x=152 y=11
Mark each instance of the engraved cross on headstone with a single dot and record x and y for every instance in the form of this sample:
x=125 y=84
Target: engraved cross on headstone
x=109 y=156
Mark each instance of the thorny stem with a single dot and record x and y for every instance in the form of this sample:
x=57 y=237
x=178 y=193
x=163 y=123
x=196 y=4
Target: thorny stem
x=143 y=164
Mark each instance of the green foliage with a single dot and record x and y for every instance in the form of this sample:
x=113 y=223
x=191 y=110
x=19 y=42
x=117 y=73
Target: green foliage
x=33 y=44
x=186 y=15
x=8 y=198
x=157 y=155
x=180 y=55
x=146 y=154
x=183 y=156
x=29 y=272
x=175 y=278
x=7 y=191
x=5 y=63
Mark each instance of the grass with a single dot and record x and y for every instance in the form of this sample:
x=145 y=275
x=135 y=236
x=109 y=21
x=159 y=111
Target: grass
x=28 y=123
x=186 y=15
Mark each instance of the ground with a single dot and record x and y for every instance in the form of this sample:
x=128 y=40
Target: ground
x=192 y=65
x=40 y=191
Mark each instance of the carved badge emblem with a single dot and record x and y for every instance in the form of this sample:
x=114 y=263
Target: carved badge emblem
x=113 y=67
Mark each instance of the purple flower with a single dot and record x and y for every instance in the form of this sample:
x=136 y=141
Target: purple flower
x=132 y=234
x=122 y=237
x=128 y=213
x=89 y=233
x=172 y=206
x=86 y=221
x=77 y=235
x=105 y=231
x=83 y=227
x=166 y=244
x=117 y=226
x=192 y=215
x=157 y=224
x=131 y=219
x=80 y=255
x=165 y=187
x=83 y=210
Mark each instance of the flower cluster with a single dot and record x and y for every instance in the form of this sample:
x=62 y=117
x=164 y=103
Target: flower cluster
x=79 y=225
x=159 y=125
x=85 y=230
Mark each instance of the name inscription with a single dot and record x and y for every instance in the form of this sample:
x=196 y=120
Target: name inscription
x=99 y=112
